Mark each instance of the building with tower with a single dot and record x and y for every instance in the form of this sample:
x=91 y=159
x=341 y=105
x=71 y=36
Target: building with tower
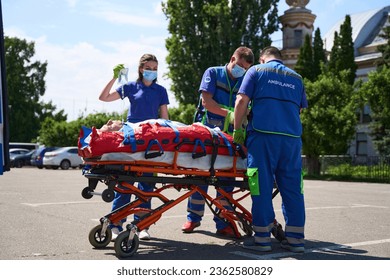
x=297 y=21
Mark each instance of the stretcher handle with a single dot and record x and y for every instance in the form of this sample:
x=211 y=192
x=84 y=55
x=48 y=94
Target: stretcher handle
x=154 y=154
x=195 y=154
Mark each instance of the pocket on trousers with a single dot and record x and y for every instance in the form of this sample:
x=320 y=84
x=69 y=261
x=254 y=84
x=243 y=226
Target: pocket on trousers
x=253 y=180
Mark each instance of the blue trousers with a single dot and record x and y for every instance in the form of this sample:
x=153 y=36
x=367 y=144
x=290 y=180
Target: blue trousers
x=121 y=199
x=196 y=207
x=276 y=157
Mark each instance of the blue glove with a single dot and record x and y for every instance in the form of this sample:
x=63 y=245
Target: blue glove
x=239 y=136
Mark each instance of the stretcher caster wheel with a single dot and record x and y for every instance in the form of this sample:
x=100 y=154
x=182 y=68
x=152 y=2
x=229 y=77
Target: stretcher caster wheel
x=86 y=193
x=108 y=195
x=97 y=240
x=122 y=248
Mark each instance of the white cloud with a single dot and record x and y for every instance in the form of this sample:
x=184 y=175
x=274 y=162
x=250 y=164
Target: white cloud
x=126 y=18
x=77 y=74
x=72 y=3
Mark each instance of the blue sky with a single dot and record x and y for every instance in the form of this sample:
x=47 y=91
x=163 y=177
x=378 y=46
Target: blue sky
x=83 y=39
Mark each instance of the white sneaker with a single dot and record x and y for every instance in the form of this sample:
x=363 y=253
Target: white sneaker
x=115 y=232
x=144 y=235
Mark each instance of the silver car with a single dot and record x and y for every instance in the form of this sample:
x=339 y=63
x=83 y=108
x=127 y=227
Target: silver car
x=65 y=158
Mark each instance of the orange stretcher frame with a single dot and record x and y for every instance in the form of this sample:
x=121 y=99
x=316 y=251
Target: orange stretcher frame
x=118 y=177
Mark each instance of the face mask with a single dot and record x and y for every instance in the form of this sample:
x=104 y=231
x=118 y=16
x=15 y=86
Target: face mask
x=150 y=75
x=238 y=71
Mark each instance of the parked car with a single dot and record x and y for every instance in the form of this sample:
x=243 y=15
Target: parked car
x=64 y=157
x=37 y=157
x=17 y=151
x=22 y=159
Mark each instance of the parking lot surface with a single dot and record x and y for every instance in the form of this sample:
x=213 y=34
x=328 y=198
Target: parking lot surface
x=44 y=217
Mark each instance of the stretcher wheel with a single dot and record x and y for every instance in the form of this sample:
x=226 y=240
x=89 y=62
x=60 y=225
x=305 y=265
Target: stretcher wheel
x=86 y=193
x=122 y=249
x=97 y=240
x=108 y=195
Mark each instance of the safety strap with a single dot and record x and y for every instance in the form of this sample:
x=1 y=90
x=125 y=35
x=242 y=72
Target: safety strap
x=168 y=123
x=214 y=154
x=129 y=137
x=227 y=143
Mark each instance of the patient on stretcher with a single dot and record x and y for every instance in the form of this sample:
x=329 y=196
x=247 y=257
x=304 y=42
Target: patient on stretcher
x=112 y=125
x=158 y=140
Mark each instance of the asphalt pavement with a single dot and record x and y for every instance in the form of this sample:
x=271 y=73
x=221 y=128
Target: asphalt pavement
x=44 y=217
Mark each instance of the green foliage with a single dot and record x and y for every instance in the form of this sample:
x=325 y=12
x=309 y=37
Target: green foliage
x=184 y=113
x=377 y=91
x=206 y=33
x=58 y=134
x=329 y=122
x=319 y=56
x=304 y=65
x=62 y=133
x=26 y=84
x=311 y=58
x=373 y=173
x=385 y=48
x=342 y=55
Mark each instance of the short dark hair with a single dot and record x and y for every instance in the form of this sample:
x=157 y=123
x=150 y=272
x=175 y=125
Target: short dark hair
x=245 y=53
x=271 y=51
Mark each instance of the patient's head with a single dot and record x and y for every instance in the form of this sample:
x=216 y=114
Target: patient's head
x=112 y=125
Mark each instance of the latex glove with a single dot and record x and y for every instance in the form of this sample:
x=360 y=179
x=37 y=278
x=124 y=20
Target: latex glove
x=238 y=136
x=229 y=119
x=117 y=69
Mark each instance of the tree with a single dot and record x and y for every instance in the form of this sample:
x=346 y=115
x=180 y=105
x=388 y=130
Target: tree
x=304 y=65
x=183 y=114
x=25 y=80
x=377 y=91
x=329 y=122
x=385 y=48
x=61 y=133
x=342 y=55
x=319 y=55
x=335 y=55
x=205 y=33
x=311 y=57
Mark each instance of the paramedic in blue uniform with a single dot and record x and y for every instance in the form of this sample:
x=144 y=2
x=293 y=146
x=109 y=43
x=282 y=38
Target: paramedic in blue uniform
x=218 y=90
x=276 y=95
x=148 y=100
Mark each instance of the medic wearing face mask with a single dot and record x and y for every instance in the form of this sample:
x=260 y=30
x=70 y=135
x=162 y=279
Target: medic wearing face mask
x=219 y=88
x=148 y=100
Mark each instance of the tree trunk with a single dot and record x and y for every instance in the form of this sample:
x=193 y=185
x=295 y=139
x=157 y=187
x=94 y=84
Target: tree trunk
x=313 y=165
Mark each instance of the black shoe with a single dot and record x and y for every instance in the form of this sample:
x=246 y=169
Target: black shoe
x=278 y=233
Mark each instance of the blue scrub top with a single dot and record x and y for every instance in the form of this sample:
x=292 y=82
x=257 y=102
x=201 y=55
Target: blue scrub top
x=277 y=94
x=216 y=81
x=145 y=101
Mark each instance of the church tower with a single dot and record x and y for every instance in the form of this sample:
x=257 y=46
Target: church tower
x=297 y=21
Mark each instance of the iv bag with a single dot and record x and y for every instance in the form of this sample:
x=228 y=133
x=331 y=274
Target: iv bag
x=122 y=79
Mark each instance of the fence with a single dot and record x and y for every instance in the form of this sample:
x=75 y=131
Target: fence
x=357 y=168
